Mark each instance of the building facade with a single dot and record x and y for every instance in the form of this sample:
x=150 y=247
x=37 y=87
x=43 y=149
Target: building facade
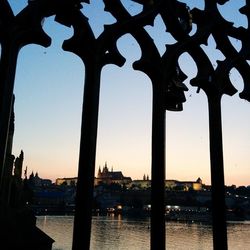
x=66 y=181
x=105 y=176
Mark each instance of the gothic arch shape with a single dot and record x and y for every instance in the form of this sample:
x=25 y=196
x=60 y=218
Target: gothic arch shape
x=164 y=72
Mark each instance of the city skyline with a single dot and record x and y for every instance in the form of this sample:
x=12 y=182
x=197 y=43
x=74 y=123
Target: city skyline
x=49 y=86
x=145 y=176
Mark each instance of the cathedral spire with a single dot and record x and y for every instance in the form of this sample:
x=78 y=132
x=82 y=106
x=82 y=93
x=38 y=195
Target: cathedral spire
x=99 y=172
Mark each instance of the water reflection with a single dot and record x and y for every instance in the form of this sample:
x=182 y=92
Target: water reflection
x=60 y=228
x=113 y=232
x=121 y=233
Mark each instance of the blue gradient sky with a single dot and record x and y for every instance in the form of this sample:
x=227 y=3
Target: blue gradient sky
x=49 y=90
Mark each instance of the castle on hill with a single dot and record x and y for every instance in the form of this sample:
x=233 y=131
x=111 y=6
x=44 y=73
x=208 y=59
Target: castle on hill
x=105 y=176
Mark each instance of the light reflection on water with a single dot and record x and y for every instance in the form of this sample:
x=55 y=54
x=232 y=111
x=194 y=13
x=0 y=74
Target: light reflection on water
x=113 y=233
x=119 y=233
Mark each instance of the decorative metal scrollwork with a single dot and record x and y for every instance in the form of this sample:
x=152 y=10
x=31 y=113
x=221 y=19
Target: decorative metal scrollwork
x=163 y=70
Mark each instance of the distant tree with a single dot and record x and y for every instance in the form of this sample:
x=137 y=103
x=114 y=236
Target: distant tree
x=231 y=189
x=115 y=187
x=179 y=188
x=242 y=190
x=72 y=183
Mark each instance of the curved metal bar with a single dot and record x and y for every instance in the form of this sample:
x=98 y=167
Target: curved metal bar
x=95 y=53
x=16 y=32
x=164 y=72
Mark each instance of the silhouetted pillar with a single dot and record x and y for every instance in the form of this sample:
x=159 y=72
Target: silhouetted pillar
x=95 y=53
x=158 y=170
x=217 y=173
x=7 y=76
x=86 y=169
x=83 y=44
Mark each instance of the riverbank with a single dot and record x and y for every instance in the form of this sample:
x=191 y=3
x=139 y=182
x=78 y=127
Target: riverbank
x=173 y=213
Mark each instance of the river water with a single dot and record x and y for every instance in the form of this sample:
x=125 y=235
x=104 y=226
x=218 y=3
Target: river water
x=122 y=233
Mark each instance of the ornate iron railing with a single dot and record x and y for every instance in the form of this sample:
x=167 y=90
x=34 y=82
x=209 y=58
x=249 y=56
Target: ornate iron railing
x=163 y=70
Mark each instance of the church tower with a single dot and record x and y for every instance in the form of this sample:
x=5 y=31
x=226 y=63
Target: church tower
x=99 y=174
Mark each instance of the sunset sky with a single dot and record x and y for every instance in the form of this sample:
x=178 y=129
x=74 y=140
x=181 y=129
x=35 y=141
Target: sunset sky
x=49 y=94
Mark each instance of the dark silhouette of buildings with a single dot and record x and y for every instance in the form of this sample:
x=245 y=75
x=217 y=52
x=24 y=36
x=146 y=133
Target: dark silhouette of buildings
x=185 y=200
x=15 y=215
x=166 y=76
